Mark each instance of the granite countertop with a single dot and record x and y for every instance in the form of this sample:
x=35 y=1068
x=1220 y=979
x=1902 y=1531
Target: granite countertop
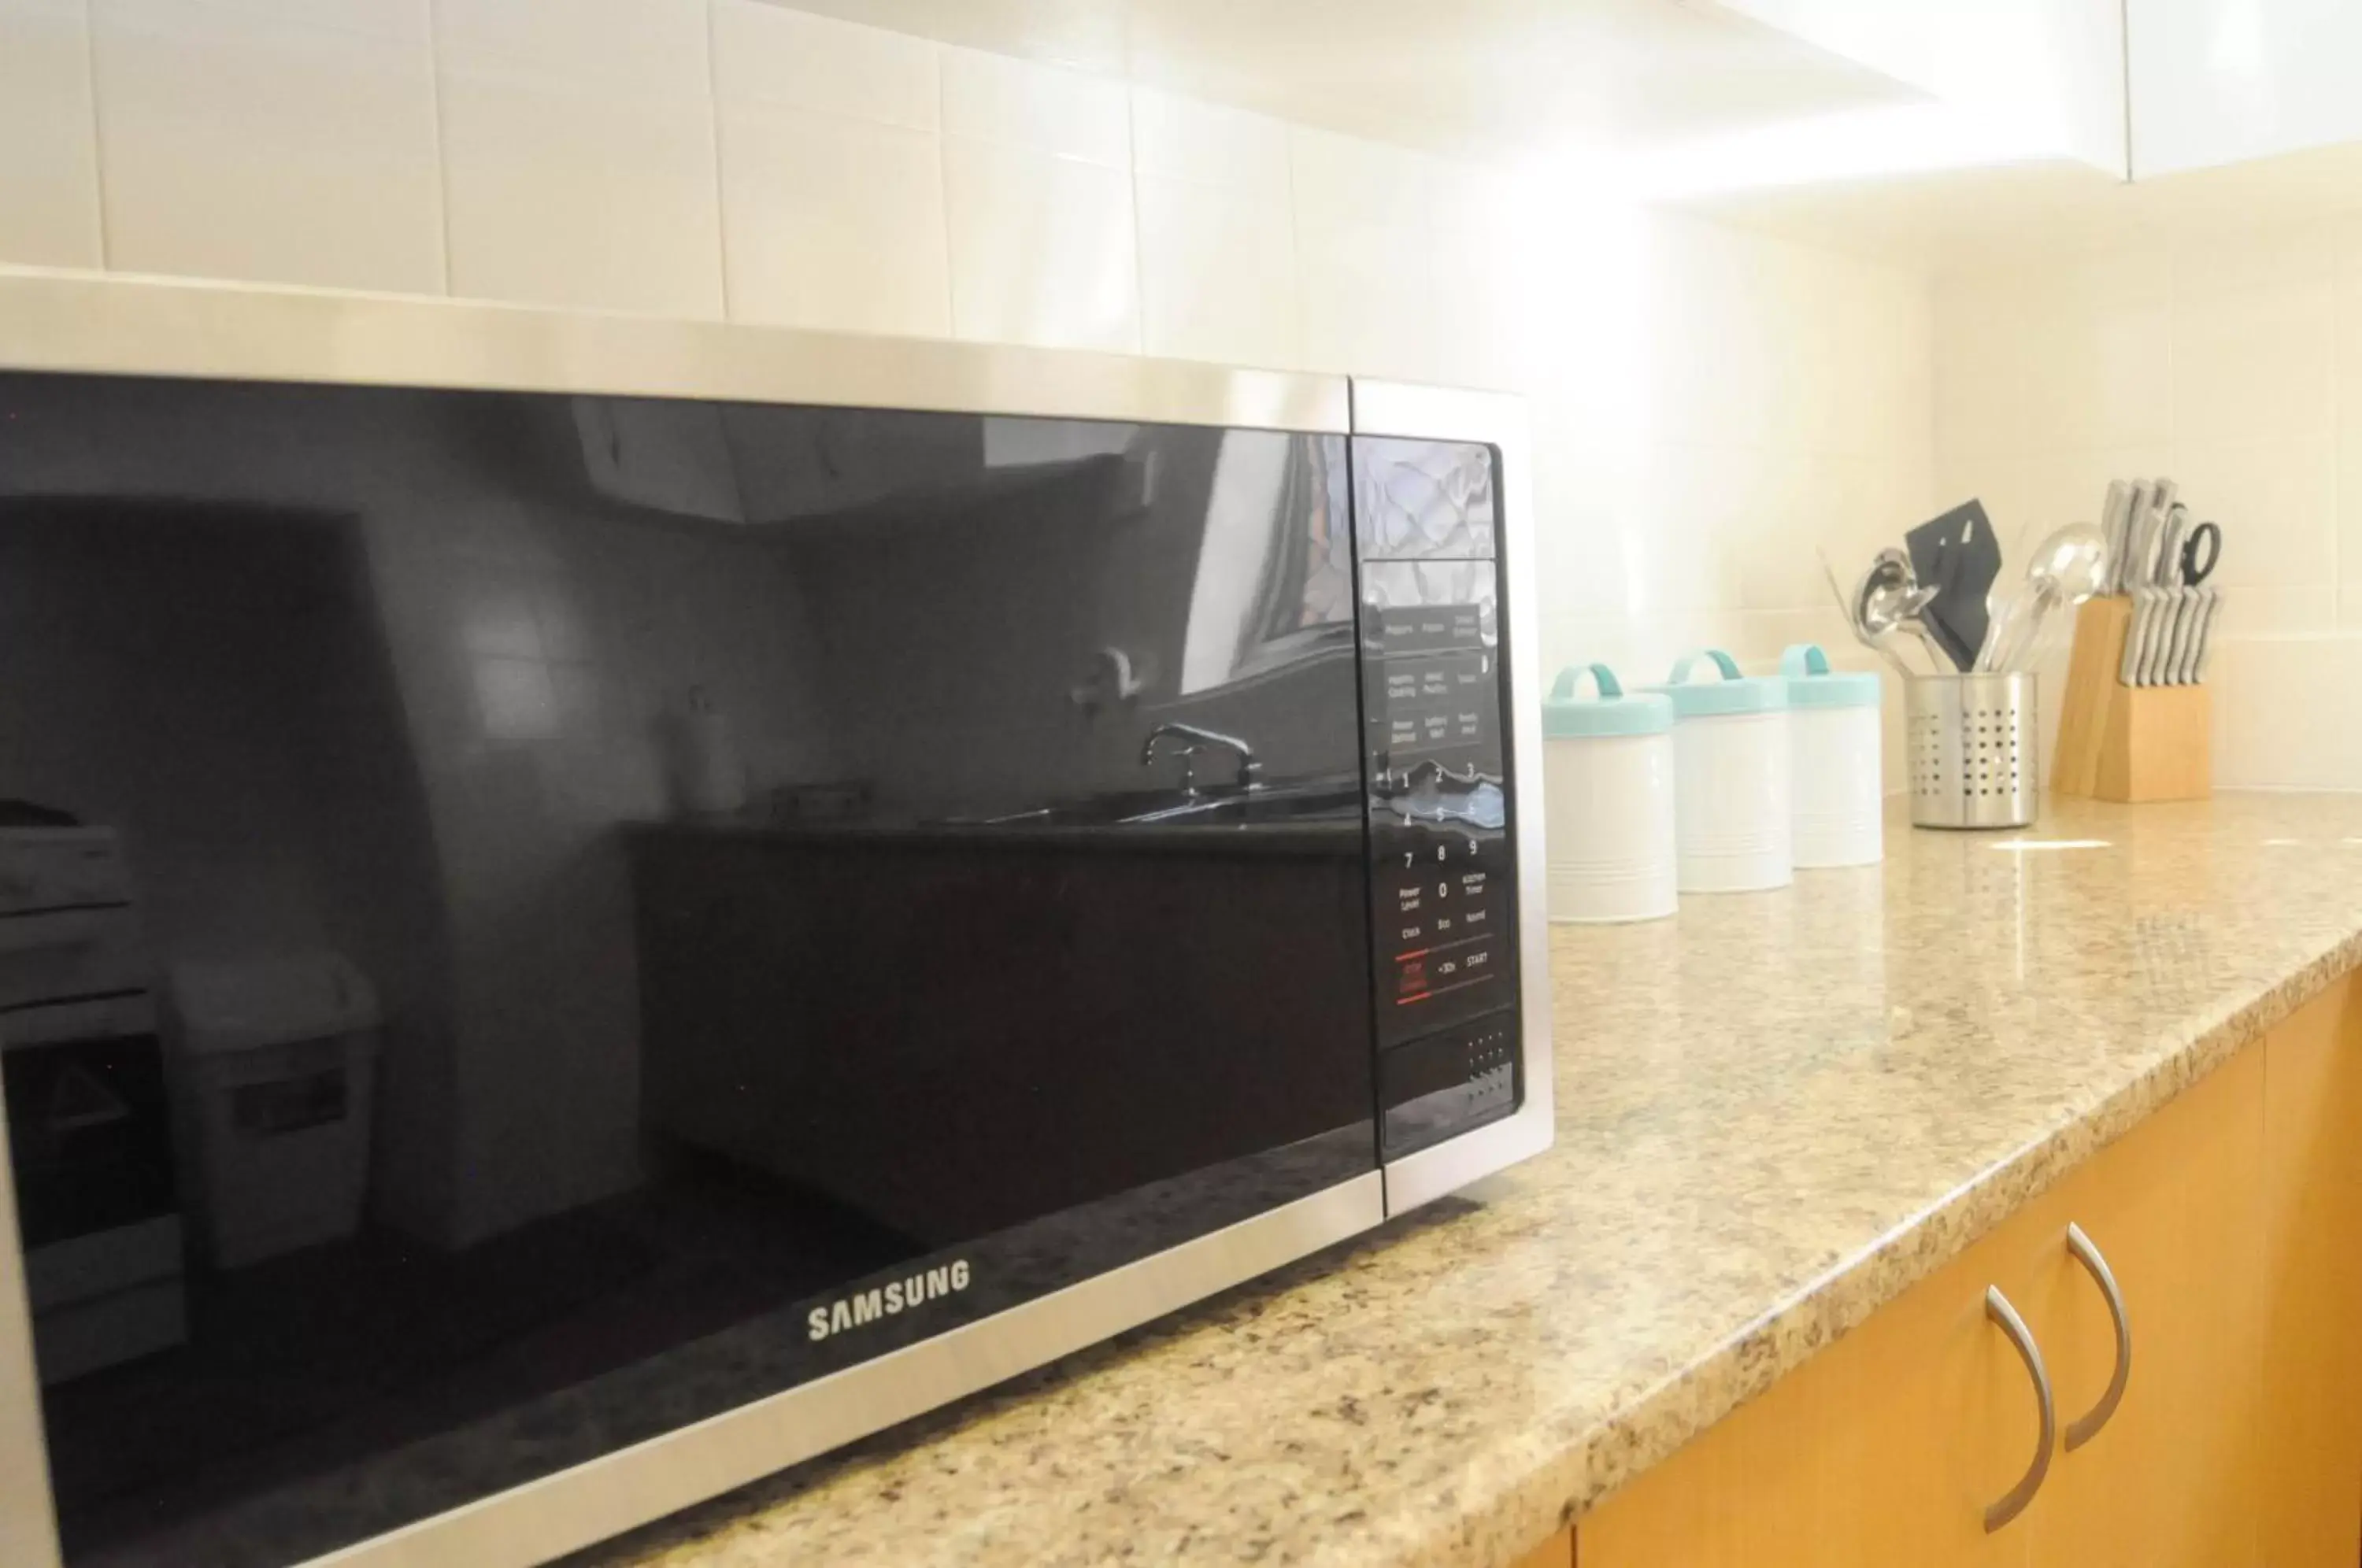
x=1775 y=1112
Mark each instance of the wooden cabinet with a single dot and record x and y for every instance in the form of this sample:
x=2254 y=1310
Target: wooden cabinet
x=2170 y=1478
x=2309 y=1413
x=2231 y=1222
x=1558 y=1551
x=1886 y=1450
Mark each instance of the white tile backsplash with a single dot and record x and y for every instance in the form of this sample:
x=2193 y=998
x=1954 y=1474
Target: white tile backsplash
x=833 y=222
x=561 y=192
x=2236 y=260
x=1043 y=248
x=49 y=148
x=766 y=53
x=1060 y=113
x=1345 y=180
x=1363 y=291
x=2099 y=338
x=1217 y=274
x=260 y=142
x=2228 y=358
x=2256 y=363
x=1181 y=139
x=633 y=48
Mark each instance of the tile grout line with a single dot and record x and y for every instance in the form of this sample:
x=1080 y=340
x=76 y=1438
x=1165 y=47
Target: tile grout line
x=714 y=131
x=1139 y=238
x=2337 y=617
x=442 y=143
x=943 y=198
x=97 y=137
x=1294 y=252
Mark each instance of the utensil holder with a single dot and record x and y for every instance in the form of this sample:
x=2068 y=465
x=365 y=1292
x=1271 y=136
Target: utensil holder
x=2129 y=743
x=1973 y=745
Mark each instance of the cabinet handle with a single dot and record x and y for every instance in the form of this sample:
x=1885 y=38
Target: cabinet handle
x=1998 y=1309
x=2086 y=1426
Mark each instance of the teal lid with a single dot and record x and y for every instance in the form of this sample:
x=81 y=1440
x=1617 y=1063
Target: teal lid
x=1612 y=712
x=1813 y=684
x=1734 y=693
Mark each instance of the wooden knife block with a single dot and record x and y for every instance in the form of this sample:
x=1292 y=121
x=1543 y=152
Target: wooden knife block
x=2128 y=743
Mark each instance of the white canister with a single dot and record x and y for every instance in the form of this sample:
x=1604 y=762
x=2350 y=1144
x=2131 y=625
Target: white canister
x=1836 y=755
x=1732 y=788
x=1611 y=800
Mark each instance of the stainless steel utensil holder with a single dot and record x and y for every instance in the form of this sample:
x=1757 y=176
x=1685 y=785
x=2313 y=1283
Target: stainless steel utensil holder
x=1973 y=747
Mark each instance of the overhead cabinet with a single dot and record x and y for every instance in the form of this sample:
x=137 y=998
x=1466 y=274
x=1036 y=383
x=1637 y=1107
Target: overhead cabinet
x=2217 y=82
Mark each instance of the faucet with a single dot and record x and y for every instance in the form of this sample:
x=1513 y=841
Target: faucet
x=1197 y=740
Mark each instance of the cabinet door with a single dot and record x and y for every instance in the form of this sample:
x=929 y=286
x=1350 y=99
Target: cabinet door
x=1558 y=1551
x=2170 y=1478
x=2310 y=1462
x=1885 y=1449
x=2218 y=82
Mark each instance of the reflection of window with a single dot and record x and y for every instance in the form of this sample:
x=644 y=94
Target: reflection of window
x=1275 y=570
x=525 y=646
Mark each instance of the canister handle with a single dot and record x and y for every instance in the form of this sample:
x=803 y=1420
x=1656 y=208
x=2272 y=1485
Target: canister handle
x=1562 y=688
x=1722 y=661
x=1804 y=658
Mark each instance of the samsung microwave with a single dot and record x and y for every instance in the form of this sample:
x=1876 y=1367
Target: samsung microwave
x=591 y=908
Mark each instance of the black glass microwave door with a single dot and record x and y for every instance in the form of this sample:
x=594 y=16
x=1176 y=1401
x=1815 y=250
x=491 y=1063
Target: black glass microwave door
x=789 y=852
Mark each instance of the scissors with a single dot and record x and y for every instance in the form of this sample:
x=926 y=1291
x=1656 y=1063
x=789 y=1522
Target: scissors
x=2192 y=574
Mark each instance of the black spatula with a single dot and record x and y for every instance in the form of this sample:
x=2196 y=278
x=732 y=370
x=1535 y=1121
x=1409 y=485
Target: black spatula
x=1957 y=555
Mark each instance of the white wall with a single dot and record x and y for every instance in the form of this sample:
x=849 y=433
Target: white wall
x=2230 y=361
x=1708 y=404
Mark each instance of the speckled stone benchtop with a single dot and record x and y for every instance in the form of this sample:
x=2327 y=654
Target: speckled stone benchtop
x=1775 y=1112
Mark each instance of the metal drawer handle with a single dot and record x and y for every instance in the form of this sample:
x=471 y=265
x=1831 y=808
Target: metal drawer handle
x=2086 y=1426
x=1998 y=1309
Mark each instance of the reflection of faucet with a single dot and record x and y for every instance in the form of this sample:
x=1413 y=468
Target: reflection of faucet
x=1200 y=740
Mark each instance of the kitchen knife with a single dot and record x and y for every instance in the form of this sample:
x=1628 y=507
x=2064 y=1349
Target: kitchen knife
x=2166 y=570
x=2113 y=515
x=2214 y=598
x=2128 y=668
x=2185 y=636
x=2160 y=636
x=2140 y=559
x=2160 y=633
x=2120 y=575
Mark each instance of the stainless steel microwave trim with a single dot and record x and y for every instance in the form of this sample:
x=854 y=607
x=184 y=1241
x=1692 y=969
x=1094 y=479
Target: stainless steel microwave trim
x=28 y=1531
x=63 y=321
x=607 y=1496
x=1443 y=413
x=66 y=322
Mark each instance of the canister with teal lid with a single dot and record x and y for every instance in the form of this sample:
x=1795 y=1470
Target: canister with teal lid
x=1732 y=789
x=1837 y=752
x=1610 y=798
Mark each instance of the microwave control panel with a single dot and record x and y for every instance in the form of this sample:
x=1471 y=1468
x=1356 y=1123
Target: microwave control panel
x=1443 y=899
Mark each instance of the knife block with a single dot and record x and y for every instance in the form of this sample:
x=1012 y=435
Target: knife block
x=2131 y=744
